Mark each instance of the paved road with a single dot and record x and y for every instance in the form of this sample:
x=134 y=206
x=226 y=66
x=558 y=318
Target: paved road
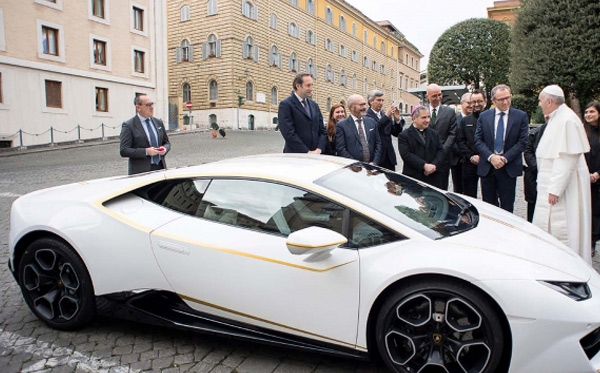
x=112 y=345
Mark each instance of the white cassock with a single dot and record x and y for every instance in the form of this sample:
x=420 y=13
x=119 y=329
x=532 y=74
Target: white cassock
x=562 y=171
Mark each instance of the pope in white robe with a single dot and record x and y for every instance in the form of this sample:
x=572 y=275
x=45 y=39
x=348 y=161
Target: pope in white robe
x=563 y=205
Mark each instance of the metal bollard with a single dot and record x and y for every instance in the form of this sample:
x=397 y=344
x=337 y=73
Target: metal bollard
x=51 y=136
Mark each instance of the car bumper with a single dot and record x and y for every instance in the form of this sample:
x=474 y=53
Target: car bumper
x=547 y=327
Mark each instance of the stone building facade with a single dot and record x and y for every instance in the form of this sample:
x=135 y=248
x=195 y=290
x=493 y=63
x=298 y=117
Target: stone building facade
x=225 y=52
x=65 y=64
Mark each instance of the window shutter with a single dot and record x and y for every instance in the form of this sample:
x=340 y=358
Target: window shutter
x=255 y=12
x=271 y=59
x=307 y=37
x=191 y=52
x=256 y=53
x=204 y=51
x=244 y=50
x=298 y=66
x=291 y=65
x=297 y=32
x=218 y=52
x=279 y=63
x=178 y=55
x=314 y=39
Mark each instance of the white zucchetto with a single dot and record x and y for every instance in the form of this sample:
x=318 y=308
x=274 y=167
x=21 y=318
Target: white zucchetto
x=554 y=90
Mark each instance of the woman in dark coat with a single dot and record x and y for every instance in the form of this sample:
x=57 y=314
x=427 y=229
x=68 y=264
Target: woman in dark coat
x=337 y=113
x=591 y=124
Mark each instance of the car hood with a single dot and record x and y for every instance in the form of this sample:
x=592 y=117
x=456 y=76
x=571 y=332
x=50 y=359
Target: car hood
x=507 y=234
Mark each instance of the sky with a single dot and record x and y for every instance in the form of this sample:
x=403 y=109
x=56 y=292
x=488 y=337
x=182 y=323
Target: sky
x=423 y=21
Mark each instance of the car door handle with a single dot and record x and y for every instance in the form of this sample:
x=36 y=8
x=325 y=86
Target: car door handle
x=177 y=249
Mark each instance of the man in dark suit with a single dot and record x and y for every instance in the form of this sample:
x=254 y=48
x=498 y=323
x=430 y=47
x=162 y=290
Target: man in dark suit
x=456 y=161
x=144 y=139
x=465 y=139
x=300 y=119
x=388 y=124
x=443 y=120
x=500 y=138
x=357 y=136
x=421 y=149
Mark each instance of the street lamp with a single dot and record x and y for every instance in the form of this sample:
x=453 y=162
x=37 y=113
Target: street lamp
x=240 y=97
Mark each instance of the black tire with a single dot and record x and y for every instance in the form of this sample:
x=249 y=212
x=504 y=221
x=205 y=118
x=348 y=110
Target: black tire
x=429 y=324
x=56 y=285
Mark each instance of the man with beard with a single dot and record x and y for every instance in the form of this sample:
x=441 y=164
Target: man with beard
x=357 y=136
x=466 y=144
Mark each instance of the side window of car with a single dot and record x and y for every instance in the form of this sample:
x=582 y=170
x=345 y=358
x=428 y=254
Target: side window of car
x=365 y=232
x=268 y=207
x=183 y=195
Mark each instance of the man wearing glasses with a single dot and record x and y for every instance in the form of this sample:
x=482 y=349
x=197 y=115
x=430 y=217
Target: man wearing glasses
x=144 y=139
x=466 y=144
x=500 y=138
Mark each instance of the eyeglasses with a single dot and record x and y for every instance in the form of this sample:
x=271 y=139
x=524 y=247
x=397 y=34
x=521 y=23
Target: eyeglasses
x=502 y=99
x=149 y=104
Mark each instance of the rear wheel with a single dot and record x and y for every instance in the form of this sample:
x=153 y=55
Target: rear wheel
x=56 y=285
x=439 y=326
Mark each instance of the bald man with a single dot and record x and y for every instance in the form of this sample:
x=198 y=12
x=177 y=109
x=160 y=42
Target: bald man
x=443 y=120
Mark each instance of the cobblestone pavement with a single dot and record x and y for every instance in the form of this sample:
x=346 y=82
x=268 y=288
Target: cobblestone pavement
x=110 y=345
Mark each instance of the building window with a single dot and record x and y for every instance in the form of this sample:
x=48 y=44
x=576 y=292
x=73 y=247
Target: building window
x=365 y=36
x=383 y=47
x=354 y=29
x=311 y=37
x=185 y=13
x=249 y=91
x=342 y=51
x=212 y=45
x=138 y=19
x=102 y=99
x=50 y=40
x=328 y=103
x=186 y=92
x=374 y=41
x=354 y=56
x=213 y=90
x=250 y=10
x=294 y=30
x=310 y=68
x=98 y=8
x=365 y=86
x=406 y=59
x=328 y=74
x=53 y=94
x=310 y=6
x=293 y=62
x=273 y=21
x=329 y=15
x=343 y=78
x=354 y=81
x=212 y=8
x=294 y=2
x=392 y=51
x=274 y=57
x=274 y=99
x=185 y=51
x=99 y=52
x=249 y=50
x=342 y=22
x=138 y=61
x=366 y=61
x=329 y=44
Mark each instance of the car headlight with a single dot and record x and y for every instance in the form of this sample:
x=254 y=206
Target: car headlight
x=575 y=290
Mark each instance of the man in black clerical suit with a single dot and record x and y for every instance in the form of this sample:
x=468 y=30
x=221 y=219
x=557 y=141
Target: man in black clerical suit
x=443 y=120
x=466 y=144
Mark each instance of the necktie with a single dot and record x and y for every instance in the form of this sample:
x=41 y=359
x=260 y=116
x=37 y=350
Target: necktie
x=433 y=116
x=499 y=140
x=153 y=141
x=306 y=108
x=363 y=141
x=379 y=114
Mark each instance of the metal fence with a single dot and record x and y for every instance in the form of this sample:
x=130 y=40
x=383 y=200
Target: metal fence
x=52 y=132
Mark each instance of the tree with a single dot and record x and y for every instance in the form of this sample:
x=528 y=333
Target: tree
x=474 y=52
x=557 y=42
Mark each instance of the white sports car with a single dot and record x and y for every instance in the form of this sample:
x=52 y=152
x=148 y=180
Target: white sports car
x=315 y=252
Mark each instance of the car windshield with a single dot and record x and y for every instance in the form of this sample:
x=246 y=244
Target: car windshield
x=410 y=202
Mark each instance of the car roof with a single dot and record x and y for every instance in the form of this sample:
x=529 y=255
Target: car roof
x=299 y=168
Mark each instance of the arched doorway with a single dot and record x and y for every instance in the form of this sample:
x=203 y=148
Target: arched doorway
x=276 y=123
x=212 y=119
x=250 y=122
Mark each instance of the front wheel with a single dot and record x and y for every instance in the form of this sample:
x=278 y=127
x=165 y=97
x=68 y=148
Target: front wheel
x=56 y=285
x=439 y=326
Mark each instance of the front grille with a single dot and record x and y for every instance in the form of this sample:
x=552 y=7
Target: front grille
x=591 y=343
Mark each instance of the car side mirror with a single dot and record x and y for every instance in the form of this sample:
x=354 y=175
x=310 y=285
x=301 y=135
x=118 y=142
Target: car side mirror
x=314 y=240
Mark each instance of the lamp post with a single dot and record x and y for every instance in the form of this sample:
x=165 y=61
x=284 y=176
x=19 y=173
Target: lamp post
x=240 y=97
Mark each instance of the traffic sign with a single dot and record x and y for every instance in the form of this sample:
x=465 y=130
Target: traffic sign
x=188 y=105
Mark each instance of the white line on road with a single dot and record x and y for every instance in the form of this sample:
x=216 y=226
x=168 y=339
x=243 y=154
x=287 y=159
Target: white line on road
x=10 y=195
x=53 y=356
